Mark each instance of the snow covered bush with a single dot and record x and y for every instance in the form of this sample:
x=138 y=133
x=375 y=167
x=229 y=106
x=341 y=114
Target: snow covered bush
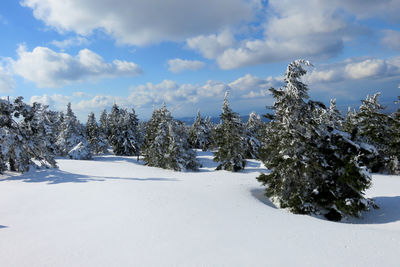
x=81 y=151
x=314 y=166
x=229 y=140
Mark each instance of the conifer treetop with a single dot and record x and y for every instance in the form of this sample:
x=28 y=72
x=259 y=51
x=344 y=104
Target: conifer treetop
x=294 y=86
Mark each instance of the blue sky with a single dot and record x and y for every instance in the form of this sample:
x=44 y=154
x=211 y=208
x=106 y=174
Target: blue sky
x=140 y=53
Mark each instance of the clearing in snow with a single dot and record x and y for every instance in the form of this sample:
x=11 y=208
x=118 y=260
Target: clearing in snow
x=113 y=211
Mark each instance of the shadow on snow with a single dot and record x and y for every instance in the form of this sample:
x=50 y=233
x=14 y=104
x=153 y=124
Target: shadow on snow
x=56 y=176
x=388 y=212
x=259 y=194
x=132 y=159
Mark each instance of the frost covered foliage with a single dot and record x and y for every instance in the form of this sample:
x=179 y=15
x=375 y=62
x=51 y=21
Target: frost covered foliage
x=123 y=132
x=95 y=136
x=71 y=132
x=81 y=151
x=253 y=132
x=166 y=143
x=372 y=126
x=25 y=136
x=314 y=165
x=229 y=140
x=200 y=134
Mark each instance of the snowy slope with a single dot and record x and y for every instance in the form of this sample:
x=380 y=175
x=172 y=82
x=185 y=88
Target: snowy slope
x=114 y=211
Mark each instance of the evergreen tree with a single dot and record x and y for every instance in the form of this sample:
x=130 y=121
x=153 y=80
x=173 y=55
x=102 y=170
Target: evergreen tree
x=23 y=136
x=71 y=132
x=372 y=126
x=104 y=127
x=130 y=139
x=229 y=140
x=200 y=134
x=124 y=134
x=95 y=138
x=314 y=166
x=253 y=133
x=166 y=143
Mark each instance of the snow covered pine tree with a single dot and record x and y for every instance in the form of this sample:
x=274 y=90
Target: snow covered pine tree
x=200 y=134
x=96 y=139
x=124 y=132
x=253 y=133
x=314 y=165
x=229 y=140
x=72 y=139
x=23 y=136
x=166 y=143
x=372 y=126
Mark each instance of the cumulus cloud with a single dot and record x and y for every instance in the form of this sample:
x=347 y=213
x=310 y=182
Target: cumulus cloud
x=302 y=29
x=210 y=46
x=47 y=68
x=356 y=69
x=73 y=41
x=247 y=93
x=55 y=101
x=141 y=22
x=178 y=65
x=7 y=82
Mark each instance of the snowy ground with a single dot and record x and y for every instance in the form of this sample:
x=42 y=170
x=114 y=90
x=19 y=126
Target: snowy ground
x=114 y=211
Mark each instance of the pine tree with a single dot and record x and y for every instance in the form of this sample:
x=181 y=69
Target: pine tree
x=95 y=138
x=253 y=133
x=200 y=134
x=166 y=143
x=71 y=132
x=124 y=134
x=104 y=127
x=229 y=140
x=23 y=136
x=372 y=126
x=130 y=140
x=314 y=166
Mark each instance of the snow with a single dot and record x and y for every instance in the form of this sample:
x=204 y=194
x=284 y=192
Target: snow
x=113 y=211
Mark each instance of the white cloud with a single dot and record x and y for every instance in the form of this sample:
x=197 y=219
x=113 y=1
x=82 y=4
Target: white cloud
x=210 y=46
x=292 y=29
x=391 y=39
x=356 y=69
x=141 y=22
x=48 y=68
x=56 y=101
x=7 y=82
x=178 y=65
x=247 y=93
x=80 y=94
x=73 y=41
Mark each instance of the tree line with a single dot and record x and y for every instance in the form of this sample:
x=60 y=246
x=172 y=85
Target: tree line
x=319 y=160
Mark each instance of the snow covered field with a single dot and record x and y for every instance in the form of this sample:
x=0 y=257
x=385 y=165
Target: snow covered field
x=113 y=211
